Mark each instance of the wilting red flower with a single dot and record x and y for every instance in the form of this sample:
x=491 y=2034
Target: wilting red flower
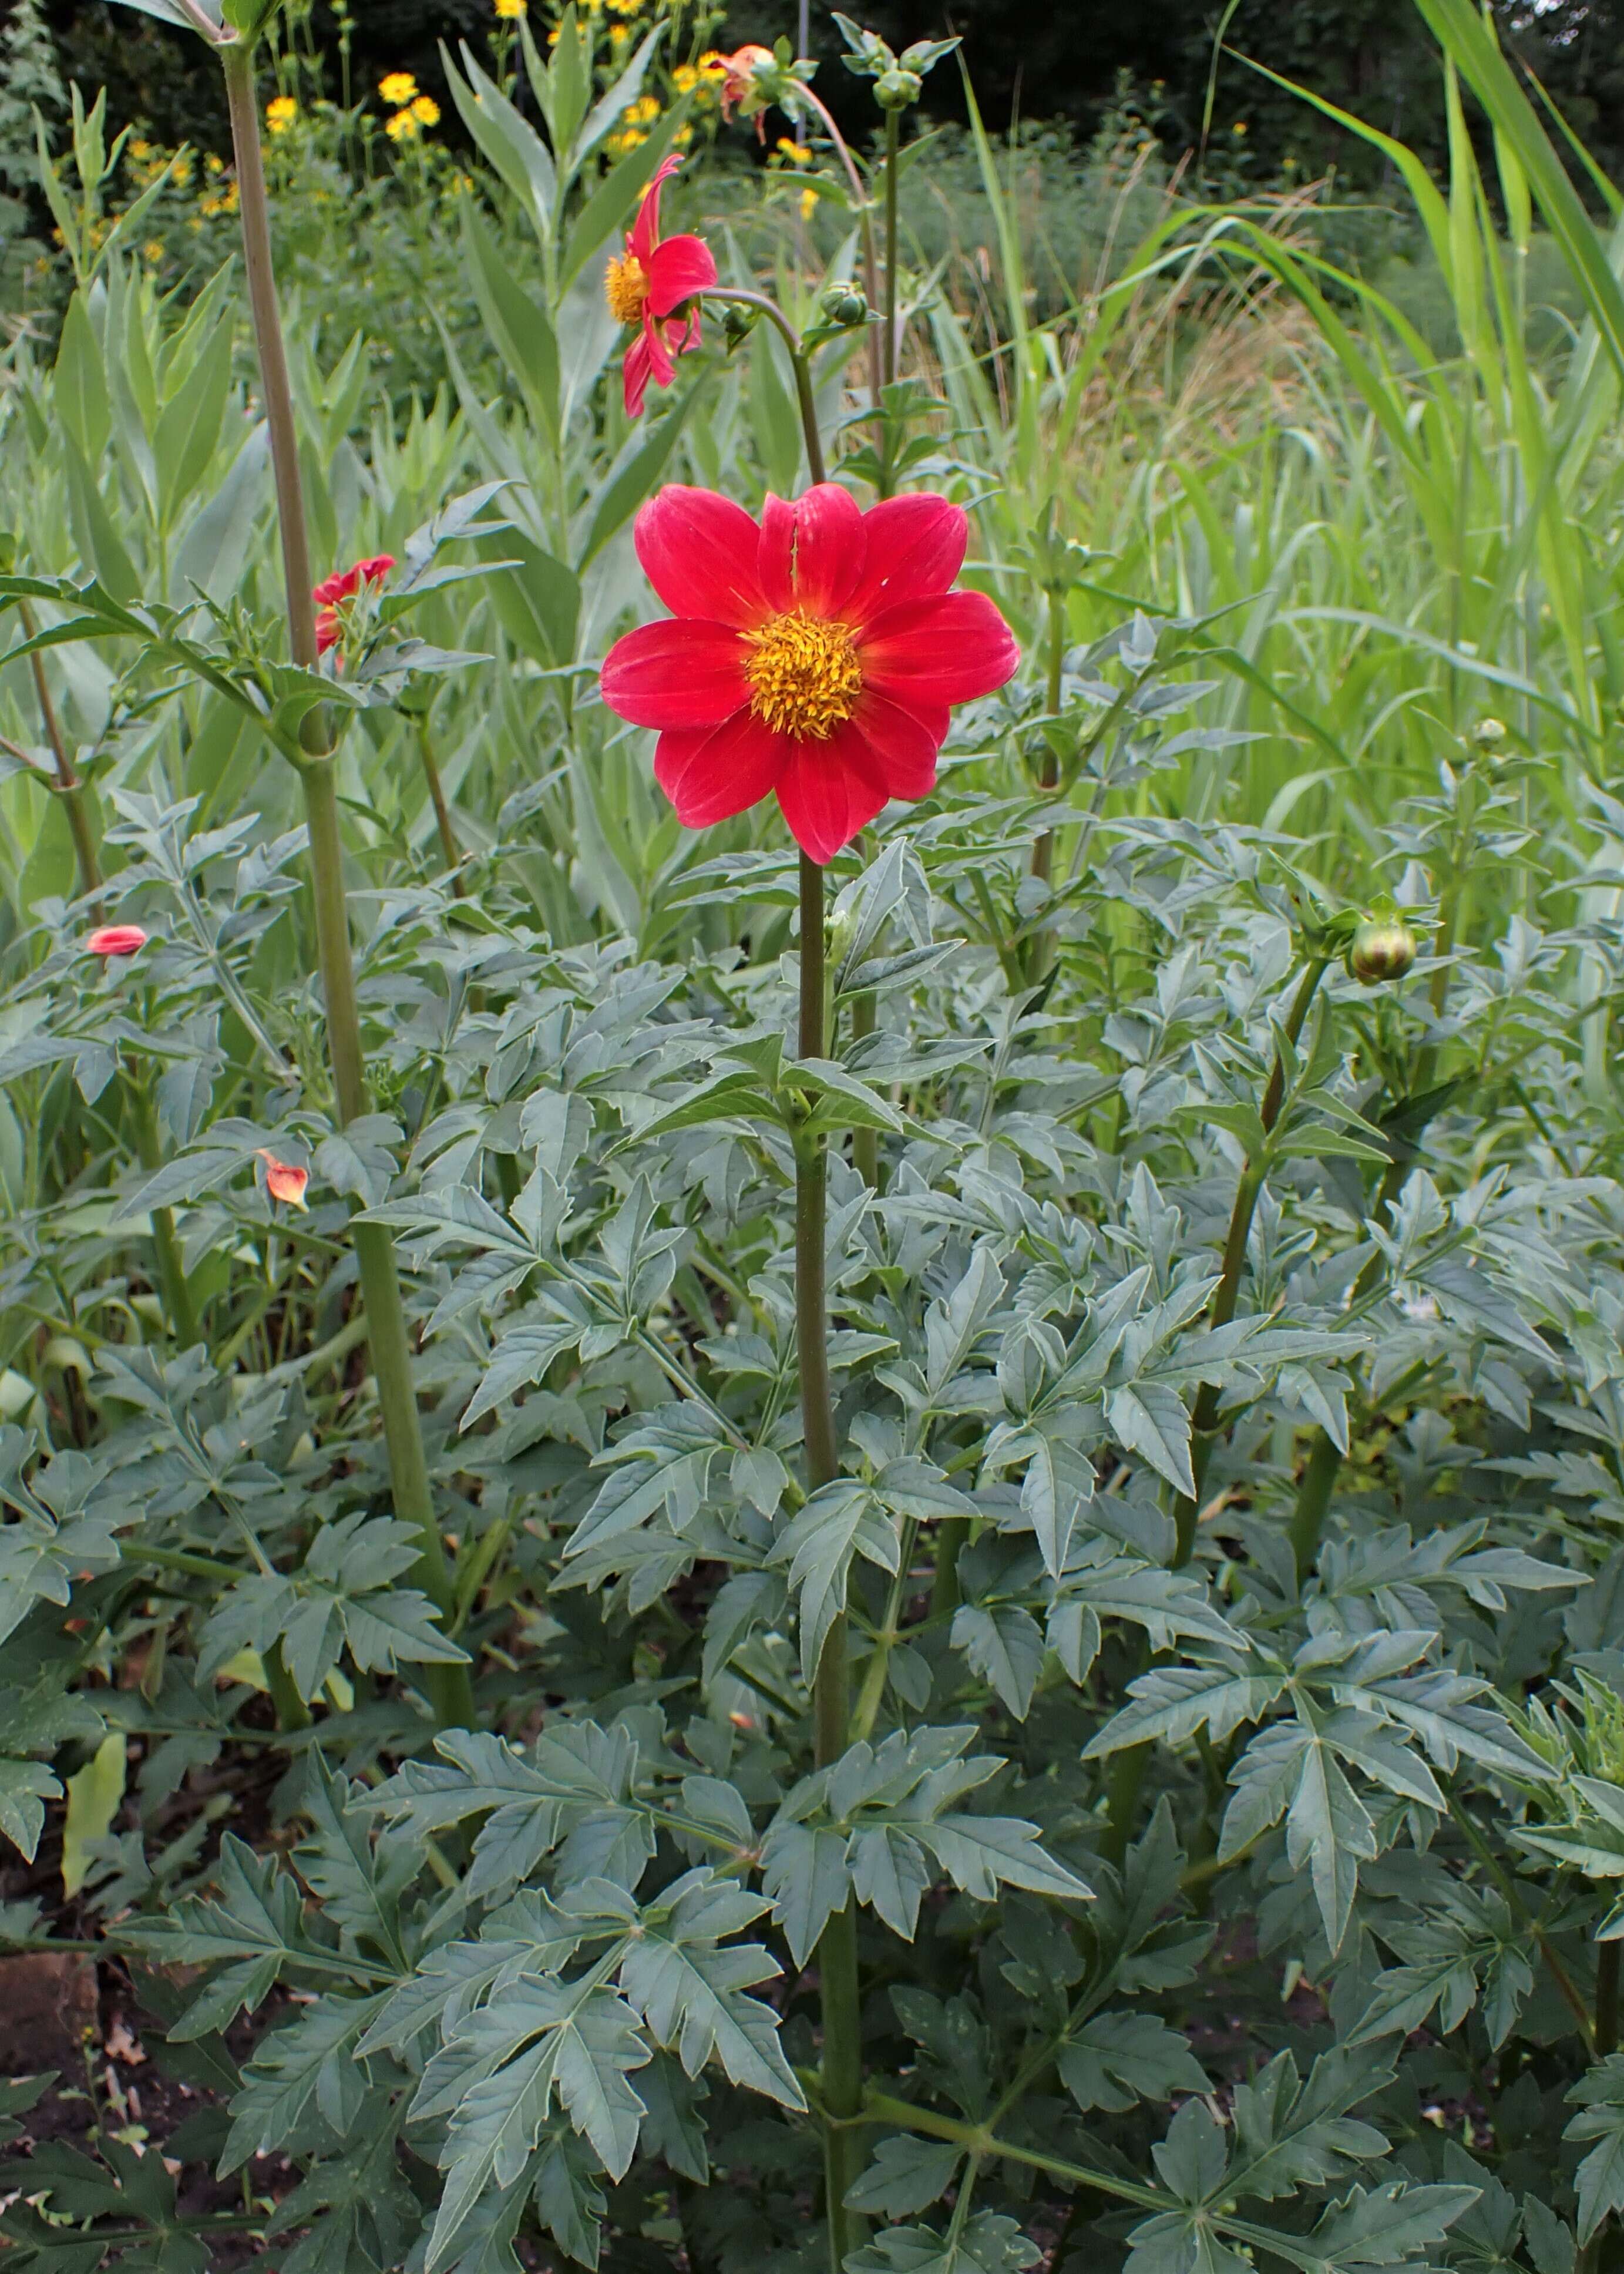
x=652 y=287
x=115 y=940
x=282 y=1181
x=815 y=655
x=331 y=594
x=738 y=74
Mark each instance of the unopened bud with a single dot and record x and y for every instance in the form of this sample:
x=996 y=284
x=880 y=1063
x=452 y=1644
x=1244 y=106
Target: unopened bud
x=844 y=303
x=738 y=322
x=1383 y=948
x=1487 y=732
x=896 y=89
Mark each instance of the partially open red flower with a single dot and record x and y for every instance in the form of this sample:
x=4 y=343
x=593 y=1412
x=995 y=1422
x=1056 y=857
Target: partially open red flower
x=652 y=288
x=739 y=75
x=115 y=940
x=282 y=1181
x=817 y=655
x=331 y=594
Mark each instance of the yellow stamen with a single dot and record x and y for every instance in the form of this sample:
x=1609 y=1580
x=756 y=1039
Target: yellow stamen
x=626 y=288
x=805 y=674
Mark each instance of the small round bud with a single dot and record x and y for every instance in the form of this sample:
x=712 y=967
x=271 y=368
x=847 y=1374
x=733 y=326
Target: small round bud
x=1488 y=732
x=896 y=89
x=738 y=323
x=844 y=303
x=1383 y=948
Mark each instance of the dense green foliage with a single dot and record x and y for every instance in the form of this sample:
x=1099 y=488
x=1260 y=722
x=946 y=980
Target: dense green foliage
x=1222 y=1136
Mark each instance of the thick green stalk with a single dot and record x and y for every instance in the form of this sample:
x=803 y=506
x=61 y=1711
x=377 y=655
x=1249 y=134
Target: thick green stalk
x=836 y=1950
x=450 y=1687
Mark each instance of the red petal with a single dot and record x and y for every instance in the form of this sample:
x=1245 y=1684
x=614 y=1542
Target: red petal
x=916 y=547
x=635 y=371
x=645 y=233
x=811 y=552
x=829 y=790
x=902 y=744
x=683 y=672
x=949 y=650
x=711 y=776
x=698 y=550
x=661 y=368
x=677 y=269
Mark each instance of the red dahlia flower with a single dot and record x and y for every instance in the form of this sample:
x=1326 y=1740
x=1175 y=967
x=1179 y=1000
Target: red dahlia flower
x=652 y=287
x=740 y=73
x=115 y=940
x=331 y=594
x=817 y=655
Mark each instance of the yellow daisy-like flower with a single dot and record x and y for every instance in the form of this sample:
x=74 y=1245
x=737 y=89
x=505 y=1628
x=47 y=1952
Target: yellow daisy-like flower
x=402 y=127
x=643 y=112
x=425 y=111
x=685 y=78
x=281 y=114
x=510 y=10
x=713 y=64
x=629 y=138
x=399 y=88
x=619 y=35
x=794 y=154
x=154 y=250
x=683 y=136
x=808 y=203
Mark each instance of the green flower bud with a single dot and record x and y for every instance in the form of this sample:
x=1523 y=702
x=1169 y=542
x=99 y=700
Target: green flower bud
x=844 y=303
x=1383 y=948
x=1487 y=732
x=738 y=323
x=896 y=89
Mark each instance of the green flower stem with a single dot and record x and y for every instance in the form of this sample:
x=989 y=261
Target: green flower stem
x=1127 y=1772
x=69 y=787
x=449 y=847
x=836 y=1950
x=1049 y=778
x=1606 y=2032
x=862 y=208
x=1313 y=1498
x=893 y=139
x=177 y=1303
x=380 y=1286
x=805 y=399
x=448 y=1686
x=254 y=202
x=1204 y=1421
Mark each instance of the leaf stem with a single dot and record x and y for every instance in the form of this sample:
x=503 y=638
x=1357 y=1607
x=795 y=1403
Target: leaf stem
x=69 y=787
x=171 y=1266
x=448 y=846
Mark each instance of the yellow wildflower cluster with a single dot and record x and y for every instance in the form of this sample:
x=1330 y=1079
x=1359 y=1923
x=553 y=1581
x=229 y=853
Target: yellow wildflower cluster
x=212 y=203
x=510 y=10
x=280 y=113
x=414 y=110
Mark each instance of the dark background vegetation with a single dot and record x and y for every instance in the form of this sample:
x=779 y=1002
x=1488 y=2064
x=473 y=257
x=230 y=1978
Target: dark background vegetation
x=1059 y=58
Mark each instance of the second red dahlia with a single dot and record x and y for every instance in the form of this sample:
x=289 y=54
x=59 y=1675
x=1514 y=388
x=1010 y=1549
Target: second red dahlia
x=815 y=655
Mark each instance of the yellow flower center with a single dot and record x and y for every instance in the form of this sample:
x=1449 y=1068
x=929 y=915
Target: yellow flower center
x=626 y=288
x=805 y=675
